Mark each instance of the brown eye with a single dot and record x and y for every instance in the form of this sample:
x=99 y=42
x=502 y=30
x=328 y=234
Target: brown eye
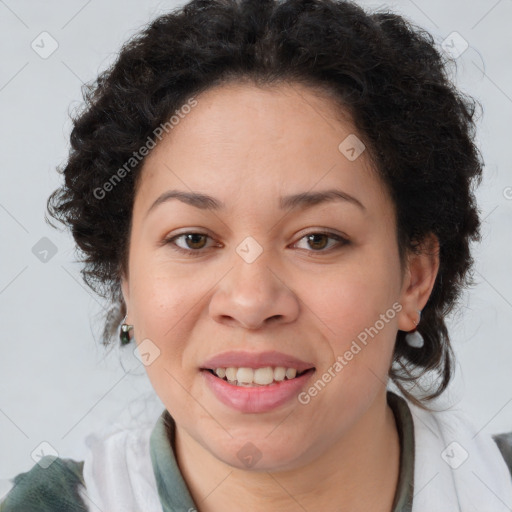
x=320 y=241
x=195 y=240
x=190 y=243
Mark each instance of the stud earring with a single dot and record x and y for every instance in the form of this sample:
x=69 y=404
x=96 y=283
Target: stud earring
x=124 y=333
x=414 y=338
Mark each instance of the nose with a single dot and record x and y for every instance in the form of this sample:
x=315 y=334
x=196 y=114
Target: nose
x=252 y=295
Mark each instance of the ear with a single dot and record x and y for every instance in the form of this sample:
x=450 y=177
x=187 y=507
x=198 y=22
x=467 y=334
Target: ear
x=420 y=276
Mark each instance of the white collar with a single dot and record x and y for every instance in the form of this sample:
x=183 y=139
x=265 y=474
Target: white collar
x=456 y=467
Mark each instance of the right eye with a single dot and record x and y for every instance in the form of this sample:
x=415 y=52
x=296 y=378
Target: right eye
x=194 y=242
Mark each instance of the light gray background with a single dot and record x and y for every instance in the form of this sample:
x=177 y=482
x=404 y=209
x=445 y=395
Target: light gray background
x=57 y=383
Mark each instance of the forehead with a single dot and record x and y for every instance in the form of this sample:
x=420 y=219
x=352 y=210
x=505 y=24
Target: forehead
x=243 y=141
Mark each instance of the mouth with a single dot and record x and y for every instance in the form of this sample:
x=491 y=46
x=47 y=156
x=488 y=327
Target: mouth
x=257 y=377
x=256 y=390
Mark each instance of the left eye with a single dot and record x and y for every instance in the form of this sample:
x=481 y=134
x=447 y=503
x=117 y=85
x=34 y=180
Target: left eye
x=320 y=240
x=195 y=242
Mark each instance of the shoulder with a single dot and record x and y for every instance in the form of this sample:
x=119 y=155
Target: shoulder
x=504 y=442
x=455 y=423
x=53 y=484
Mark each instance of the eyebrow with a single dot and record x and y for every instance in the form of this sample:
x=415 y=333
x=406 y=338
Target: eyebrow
x=291 y=202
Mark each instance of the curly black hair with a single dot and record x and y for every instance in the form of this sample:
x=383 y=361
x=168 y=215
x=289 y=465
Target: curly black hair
x=388 y=73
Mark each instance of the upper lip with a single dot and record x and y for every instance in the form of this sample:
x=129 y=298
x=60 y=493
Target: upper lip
x=239 y=359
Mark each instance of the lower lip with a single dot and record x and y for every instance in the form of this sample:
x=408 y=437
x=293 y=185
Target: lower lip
x=256 y=399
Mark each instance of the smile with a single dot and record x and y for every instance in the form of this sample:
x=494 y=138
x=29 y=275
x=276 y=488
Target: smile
x=256 y=376
x=252 y=398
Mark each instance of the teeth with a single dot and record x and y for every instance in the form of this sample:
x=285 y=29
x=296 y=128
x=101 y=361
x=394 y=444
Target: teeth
x=279 y=373
x=221 y=372
x=245 y=375
x=263 y=376
x=290 y=373
x=260 y=376
x=230 y=373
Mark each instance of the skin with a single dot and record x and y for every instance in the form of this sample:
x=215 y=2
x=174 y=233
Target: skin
x=246 y=146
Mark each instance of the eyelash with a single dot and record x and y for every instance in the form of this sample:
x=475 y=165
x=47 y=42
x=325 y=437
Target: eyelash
x=342 y=241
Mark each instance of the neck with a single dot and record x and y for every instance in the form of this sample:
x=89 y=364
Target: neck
x=357 y=472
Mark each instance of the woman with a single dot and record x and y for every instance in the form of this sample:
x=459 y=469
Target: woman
x=278 y=198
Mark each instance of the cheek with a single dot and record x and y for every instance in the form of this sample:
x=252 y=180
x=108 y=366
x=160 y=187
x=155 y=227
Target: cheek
x=353 y=298
x=160 y=293
x=358 y=307
x=164 y=306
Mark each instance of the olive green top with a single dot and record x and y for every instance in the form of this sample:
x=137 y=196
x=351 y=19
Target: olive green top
x=56 y=488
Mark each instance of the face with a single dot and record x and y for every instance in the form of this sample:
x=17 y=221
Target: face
x=259 y=277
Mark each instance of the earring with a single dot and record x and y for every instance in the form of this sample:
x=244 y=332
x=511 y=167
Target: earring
x=414 y=338
x=124 y=333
